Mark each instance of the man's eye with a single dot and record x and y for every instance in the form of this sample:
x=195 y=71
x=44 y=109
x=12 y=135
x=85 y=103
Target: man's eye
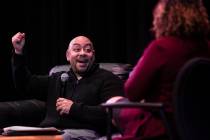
x=88 y=50
x=76 y=49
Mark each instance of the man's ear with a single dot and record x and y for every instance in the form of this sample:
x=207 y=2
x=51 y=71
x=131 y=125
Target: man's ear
x=67 y=55
x=93 y=52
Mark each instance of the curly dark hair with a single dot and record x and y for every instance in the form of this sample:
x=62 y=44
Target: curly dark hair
x=181 y=18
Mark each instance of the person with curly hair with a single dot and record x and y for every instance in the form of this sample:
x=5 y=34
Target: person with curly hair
x=181 y=29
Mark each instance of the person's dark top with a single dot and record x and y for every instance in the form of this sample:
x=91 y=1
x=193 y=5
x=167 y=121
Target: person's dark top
x=96 y=86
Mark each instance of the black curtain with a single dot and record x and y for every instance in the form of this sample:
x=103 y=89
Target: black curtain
x=120 y=30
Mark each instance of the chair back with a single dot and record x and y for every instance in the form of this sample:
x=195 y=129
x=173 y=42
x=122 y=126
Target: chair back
x=120 y=69
x=191 y=97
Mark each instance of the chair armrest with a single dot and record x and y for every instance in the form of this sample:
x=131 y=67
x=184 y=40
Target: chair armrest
x=159 y=107
x=132 y=105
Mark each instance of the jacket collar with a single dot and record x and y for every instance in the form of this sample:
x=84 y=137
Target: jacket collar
x=91 y=70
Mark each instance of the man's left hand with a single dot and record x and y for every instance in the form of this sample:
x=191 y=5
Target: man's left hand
x=63 y=105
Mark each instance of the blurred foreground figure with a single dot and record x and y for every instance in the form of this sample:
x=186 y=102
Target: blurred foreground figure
x=181 y=28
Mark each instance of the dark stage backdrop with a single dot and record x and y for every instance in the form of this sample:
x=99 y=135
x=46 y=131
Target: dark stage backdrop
x=119 y=30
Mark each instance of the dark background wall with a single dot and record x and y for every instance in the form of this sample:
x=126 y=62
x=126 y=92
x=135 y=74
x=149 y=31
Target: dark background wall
x=119 y=30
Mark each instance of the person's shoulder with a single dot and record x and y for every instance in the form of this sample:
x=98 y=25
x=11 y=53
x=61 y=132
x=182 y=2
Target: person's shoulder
x=107 y=74
x=156 y=45
x=164 y=43
x=105 y=71
x=165 y=40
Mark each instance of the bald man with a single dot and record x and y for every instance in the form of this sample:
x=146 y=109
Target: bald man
x=77 y=112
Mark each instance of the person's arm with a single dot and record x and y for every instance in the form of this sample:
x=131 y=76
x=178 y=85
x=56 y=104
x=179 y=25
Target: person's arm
x=25 y=83
x=23 y=80
x=143 y=74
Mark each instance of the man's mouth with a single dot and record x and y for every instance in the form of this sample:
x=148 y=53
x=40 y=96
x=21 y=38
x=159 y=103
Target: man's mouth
x=82 y=63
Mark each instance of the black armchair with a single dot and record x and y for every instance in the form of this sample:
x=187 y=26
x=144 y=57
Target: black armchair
x=153 y=106
x=191 y=100
x=120 y=69
x=21 y=112
x=157 y=107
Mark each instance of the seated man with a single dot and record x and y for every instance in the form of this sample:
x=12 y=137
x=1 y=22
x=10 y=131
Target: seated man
x=75 y=107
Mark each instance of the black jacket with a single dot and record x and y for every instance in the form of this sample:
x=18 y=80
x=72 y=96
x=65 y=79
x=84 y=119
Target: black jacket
x=94 y=88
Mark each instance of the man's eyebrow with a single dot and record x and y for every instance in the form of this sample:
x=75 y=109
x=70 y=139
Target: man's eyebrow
x=90 y=44
x=75 y=44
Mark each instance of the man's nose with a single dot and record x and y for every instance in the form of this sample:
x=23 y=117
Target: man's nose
x=82 y=52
